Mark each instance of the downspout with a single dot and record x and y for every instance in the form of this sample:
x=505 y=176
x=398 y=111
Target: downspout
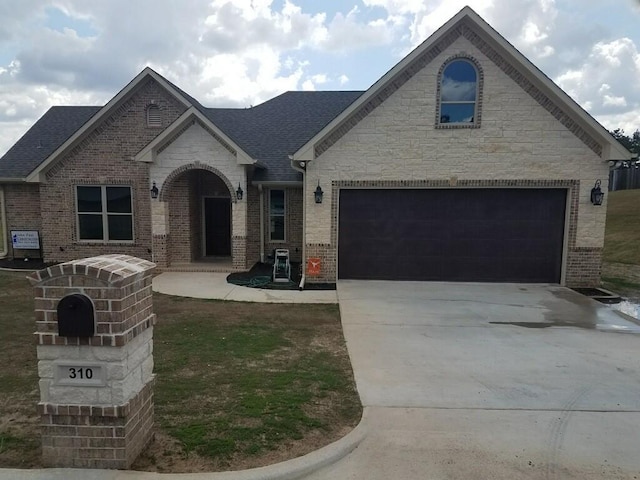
x=297 y=167
x=261 y=190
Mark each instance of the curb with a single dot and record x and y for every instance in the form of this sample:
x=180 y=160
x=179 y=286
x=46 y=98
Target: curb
x=288 y=470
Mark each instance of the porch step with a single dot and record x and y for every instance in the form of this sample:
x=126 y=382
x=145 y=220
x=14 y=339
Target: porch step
x=223 y=267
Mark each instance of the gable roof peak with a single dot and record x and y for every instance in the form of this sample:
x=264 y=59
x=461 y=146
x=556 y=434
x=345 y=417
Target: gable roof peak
x=112 y=105
x=470 y=25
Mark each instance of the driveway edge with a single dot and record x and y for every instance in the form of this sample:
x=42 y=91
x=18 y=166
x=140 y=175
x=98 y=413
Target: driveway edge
x=287 y=470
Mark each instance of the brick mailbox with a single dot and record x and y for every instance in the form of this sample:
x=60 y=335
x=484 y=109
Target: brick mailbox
x=94 y=336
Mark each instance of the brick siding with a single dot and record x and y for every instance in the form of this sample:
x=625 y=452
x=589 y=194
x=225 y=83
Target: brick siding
x=105 y=157
x=88 y=426
x=22 y=208
x=293 y=224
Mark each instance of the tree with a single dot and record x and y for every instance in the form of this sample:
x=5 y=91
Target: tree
x=631 y=143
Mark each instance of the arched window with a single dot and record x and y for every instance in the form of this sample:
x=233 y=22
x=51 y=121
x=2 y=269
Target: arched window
x=154 y=119
x=459 y=92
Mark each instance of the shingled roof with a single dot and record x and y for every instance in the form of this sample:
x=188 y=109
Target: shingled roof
x=41 y=140
x=273 y=130
x=268 y=132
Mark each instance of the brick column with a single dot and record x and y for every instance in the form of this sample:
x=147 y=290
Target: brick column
x=160 y=233
x=96 y=389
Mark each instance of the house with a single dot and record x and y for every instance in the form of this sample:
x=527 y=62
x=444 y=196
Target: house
x=463 y=163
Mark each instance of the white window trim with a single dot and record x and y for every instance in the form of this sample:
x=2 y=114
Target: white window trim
x=284 y=216
x=4 y=246
x=105 y=216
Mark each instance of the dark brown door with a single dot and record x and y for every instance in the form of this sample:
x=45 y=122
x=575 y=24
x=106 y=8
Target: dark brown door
x=492 y=235
x=217 y=226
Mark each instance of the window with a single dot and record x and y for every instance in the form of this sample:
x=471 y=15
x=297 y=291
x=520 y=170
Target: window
x=276 y=215
x=104 y=213
x=154 y=119
x=458 y=93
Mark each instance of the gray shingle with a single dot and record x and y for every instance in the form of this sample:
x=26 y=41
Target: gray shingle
x=41 y=140
x=273 y=130
x=268 y=132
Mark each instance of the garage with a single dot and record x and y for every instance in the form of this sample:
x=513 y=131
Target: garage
x=471 y=235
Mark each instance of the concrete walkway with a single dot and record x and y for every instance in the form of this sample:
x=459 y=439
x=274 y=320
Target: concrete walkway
x=214 y=285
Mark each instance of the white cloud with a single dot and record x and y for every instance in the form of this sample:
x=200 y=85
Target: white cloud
x=603 y=79
x=242 y=52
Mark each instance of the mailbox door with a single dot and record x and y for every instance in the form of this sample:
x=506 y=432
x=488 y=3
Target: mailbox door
x=76 y=316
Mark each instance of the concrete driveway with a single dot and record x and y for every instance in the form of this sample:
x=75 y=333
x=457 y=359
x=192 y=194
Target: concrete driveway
x=486 y=381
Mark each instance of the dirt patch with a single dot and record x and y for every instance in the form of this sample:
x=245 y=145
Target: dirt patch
x=21 y=264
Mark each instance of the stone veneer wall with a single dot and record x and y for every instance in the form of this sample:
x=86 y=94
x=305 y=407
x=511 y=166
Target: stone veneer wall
x=92 y=425
x=525 y=140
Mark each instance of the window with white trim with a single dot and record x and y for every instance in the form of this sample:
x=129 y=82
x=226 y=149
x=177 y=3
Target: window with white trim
x=277 y=213
x=154 y=119
x=458 y=93
x=104 y=213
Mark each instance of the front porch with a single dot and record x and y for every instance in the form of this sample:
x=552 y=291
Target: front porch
x=195 y=219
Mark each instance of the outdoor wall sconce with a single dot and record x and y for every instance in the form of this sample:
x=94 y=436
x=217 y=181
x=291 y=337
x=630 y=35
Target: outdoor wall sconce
x=239 y=192
x=318 y=193
x=597 y=195
x=154 y=191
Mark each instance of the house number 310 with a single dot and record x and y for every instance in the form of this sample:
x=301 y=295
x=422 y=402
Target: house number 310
x=80 y=373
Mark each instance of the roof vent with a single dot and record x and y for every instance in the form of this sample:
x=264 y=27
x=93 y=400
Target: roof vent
x=154 y=119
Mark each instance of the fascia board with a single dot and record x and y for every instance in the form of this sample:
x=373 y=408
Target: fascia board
x=147 y=154
x=6 y=180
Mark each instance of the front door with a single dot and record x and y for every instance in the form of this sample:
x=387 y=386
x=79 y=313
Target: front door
x=217 y=226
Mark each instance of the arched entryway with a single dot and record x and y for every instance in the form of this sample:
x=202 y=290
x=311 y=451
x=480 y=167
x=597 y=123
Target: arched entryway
x=199 y=206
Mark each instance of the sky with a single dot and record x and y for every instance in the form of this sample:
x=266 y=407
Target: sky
x=238 y=53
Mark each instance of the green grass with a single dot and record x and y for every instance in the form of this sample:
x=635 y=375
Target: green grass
x=239 y=379
x=237 y=384
x=622 y=235
x=621 y=283
x=19 y=431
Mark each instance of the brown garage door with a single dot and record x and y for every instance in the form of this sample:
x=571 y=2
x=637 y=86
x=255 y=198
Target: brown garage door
x=487 y=235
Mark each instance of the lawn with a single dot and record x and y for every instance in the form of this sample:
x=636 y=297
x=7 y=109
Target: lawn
x=622 y=237
x=621 y=268
x=238 y=385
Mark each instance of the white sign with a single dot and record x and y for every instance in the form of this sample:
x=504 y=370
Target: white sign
x=25 y=239
x=82 y=375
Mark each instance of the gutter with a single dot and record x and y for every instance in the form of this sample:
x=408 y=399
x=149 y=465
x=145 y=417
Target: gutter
x=12 y=180
x=298 y=166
